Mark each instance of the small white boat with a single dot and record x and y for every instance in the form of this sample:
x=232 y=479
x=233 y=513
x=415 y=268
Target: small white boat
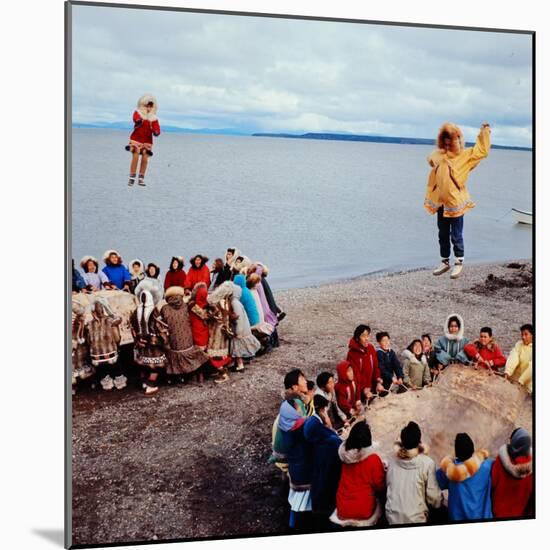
x=522 y=216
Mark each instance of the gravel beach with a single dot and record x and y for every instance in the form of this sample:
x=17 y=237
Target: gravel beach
x=192 y=461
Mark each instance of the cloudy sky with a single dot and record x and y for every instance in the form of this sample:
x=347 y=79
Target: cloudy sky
x=278 y=75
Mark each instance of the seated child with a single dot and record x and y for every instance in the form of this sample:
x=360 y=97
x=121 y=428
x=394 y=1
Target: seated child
x=485 y=351
x=450 y=348
x=518 y=365
x=347 y=392
x=390 y=367
x=416 y=372
x=325 y=388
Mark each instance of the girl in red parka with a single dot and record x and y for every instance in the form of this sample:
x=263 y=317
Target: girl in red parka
x=175 y=276
x=146 y=125
x=347 y=392
x=198 y=272
x=198 y=315
x=364 y=360
x=512 y=478
x=362 y=481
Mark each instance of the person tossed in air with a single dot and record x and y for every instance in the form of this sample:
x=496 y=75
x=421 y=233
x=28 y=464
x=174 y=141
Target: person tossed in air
x=146 y=125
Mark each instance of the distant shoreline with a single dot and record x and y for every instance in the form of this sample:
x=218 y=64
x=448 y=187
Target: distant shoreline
x=326 y=136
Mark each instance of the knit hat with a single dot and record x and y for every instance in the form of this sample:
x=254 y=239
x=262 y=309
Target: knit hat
x=464 y=447
x=410 y=436
x=520 y=443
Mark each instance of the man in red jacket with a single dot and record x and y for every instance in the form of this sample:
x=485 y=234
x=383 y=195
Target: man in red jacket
x=512 y=478
x=485 y=351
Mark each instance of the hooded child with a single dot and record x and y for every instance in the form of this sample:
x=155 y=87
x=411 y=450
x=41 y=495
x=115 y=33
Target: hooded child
x=347 y=392
x=512 y=477
x=150 y=333
x=447 y=194
x=95 y=280
x=146 y=125
x=325 y=388
x=362 y=480
x=416 y=372
x=175 y=276
x=137 y=272
x=102 y=334
x=198 y=272
x=468 y=479
x=116 y=271
x=184 y=356
x=412 y=485
x=450 y=348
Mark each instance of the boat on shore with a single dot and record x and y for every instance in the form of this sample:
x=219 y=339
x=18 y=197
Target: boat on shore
x=523 y=216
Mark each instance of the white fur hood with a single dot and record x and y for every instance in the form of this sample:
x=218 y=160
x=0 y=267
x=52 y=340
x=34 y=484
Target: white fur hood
x=142 y=102
x=460 y=334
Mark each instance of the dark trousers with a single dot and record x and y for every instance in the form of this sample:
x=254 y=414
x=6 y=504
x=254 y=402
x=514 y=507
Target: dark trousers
x=450 y=230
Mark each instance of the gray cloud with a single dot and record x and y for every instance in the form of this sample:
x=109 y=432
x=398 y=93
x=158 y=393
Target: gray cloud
x=270 y=74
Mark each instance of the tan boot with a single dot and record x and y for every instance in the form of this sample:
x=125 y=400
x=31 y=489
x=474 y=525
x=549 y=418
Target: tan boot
x=457 y=270
x=443 y=267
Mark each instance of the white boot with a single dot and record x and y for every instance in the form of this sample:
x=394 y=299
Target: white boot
x=457 y=269
x=120 y=382
x=442 y=267
x=107 y=383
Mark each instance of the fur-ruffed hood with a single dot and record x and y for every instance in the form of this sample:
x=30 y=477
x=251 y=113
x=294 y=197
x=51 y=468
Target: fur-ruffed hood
x=174 y=291
x=453 y=132
x=156 y=270
x=108 y=253
x=142 y=102
x=407 y=354
x=224 y=291
x=460 y=334
x=87 y=259
x=461 y=471
x=519 y=470
x=408 y=455
x=236 y=253
x=204 y=259
x=149 y=286
x=181 y=263
x=353 y=456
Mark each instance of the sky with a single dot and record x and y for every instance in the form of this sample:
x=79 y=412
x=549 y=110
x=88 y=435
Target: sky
x=257 y=74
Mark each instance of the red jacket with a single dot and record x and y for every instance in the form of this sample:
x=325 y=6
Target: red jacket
x=488 y=353
x=347 y=392
x=144 y=130
x=174 y=278
x=360 y=481
x=511 y=485
x=365 y=365
x=197 y=316
x=194 y=276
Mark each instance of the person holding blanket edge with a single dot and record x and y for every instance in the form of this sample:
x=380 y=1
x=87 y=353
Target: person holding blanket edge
x=447 y=194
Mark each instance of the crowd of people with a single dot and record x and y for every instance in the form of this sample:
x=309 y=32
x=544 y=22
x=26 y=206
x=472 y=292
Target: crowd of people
x=200 y=321
x=321 y=439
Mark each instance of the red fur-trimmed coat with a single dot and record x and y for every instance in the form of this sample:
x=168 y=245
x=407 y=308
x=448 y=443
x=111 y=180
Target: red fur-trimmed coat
x=511 y=485
x=144 y=128
x=347 y=391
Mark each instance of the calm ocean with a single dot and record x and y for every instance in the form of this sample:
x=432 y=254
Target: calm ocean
x=313 y=211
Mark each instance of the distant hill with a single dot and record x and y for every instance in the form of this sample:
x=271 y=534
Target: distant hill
x=164 y=128
x=310 y=135
x=376 y=139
